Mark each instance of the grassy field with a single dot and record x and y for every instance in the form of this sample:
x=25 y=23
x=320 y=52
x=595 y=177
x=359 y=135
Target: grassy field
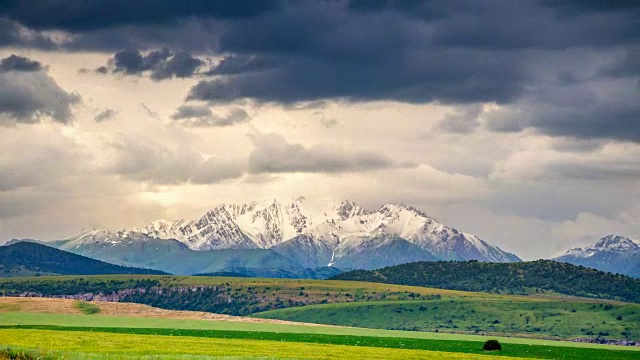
x=370 y=338
x=83 y=344
x=87 y=308
x=549 y=318
x=97 y=321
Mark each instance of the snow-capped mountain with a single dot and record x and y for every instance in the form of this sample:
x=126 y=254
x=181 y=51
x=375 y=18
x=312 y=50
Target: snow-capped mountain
x=275 y=238
x=611 y=253
x=332 y=232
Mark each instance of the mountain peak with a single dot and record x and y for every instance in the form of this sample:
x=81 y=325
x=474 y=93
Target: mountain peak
x=397 y=207
x=347 y=209
x=611 y=253
x=616 y=242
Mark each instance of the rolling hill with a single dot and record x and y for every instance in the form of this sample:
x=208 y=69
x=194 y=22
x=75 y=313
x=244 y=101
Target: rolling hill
x=28 y=259
x=541 y=276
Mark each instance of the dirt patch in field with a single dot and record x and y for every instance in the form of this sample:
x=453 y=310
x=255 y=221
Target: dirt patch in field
x=66 y=306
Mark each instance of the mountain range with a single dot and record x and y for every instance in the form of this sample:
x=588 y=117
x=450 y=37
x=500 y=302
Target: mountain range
x=297 y=239
x=266 y=238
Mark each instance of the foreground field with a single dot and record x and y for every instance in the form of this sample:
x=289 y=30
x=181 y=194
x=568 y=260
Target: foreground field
x=77 y=344
x=98 y=331
x=542 y=318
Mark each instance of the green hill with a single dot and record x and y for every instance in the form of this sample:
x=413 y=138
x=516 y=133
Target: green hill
x=541 y=276
x=28 y=259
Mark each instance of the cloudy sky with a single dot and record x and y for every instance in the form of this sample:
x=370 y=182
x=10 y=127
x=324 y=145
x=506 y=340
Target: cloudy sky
x=518 y=121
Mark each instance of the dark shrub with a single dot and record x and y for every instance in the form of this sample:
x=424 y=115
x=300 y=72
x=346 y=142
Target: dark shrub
x=492 y=345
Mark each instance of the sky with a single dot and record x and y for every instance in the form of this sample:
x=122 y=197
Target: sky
x=517 y=121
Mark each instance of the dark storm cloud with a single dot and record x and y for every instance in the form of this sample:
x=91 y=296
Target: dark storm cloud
x=81 y=15
x=274 y=154
x=11 y=34
x=180 y=65
x=454 y=52
x=19 y=63
x=162 y=64
x=28 y=94
x=579 y=111
x=238 y=64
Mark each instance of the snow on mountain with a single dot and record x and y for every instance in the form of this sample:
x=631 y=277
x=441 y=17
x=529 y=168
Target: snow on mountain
x=271 y=224
x=611 y=253
x=609 y=243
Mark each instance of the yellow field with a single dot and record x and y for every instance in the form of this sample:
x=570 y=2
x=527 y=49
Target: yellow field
x=132 y=346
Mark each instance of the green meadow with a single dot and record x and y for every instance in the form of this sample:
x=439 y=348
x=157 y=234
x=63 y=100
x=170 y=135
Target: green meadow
x=75 y=335
x=549 y=318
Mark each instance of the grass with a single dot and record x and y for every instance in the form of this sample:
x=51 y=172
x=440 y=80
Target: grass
x=450 y=346
x=17 y=318
x=110 y=345
x=87 y=308
x=549 y=318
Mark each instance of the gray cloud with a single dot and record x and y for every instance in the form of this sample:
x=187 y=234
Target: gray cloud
x=558 y=201
x=202 y=116
x=191 y=111
x=37 y=166
x=142 y=160
x=19 y=63
x=37 y=157
x=464 y=120
x=30 y=96
x=274 y=154
x=328 y=122
x=162 y=64
x=563 y=144
x=106 y=114
x=150 y=112
x=600 y=110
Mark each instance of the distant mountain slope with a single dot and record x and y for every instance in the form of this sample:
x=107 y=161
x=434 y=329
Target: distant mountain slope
x=140 y=250
x=29 y=258
x=612 y=253
x=513 y=278
x=377 y=252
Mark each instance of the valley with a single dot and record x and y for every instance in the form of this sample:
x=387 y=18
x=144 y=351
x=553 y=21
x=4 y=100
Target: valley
x=350 y=303
x=133 y=331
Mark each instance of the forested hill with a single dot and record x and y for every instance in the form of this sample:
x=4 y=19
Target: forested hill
x=513 y=278
x=28 y=259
